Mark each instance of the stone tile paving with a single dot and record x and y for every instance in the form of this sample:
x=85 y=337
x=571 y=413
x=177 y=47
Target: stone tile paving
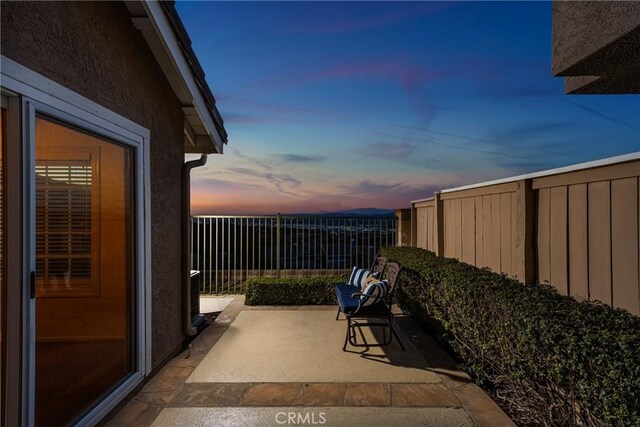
x=324 y=394
x=368 y=394
x=274 y=394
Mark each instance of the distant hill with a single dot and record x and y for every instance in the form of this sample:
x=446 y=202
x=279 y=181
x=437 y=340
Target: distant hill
x=363 y=212
x=366 y=212
x=358 y=212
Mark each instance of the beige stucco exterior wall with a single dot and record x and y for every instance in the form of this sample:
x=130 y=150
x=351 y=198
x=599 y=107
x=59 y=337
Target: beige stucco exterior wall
x=93 y=48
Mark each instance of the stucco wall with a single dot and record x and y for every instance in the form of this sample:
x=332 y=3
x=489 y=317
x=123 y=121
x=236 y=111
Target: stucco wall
x=94 y=49
x=595 y=45
x=582 y=28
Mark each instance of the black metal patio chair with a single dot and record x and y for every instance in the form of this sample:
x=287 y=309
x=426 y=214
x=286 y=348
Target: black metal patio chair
x=360 y=310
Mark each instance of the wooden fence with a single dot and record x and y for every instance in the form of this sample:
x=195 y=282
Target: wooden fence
x=577 y=228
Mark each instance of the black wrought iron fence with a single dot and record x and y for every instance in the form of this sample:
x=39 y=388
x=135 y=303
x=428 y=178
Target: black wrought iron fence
x=228 y=249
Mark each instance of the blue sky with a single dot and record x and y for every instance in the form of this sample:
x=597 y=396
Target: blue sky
x=340 y=105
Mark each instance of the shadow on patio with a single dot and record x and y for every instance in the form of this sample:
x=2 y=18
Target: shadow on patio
x=255 y=363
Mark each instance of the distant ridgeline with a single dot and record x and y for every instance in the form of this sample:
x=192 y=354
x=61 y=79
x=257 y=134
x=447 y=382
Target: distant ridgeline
x=361 y=212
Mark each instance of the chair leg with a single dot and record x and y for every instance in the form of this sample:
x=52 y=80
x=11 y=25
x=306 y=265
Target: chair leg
x=338 y=315
x=385 y=340
x=346 y=338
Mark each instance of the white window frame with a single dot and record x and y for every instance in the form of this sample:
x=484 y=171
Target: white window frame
x=41 y=95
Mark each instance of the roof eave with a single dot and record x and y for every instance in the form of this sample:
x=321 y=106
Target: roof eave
x=203 y=126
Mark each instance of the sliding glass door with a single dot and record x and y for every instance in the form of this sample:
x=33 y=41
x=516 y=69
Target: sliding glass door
x=84 y=259
x=3 y=280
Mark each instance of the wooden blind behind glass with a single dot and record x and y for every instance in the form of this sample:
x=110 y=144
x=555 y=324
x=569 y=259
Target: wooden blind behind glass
x=64 y=225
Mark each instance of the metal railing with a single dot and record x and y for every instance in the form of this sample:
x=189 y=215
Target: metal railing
x=229 y=249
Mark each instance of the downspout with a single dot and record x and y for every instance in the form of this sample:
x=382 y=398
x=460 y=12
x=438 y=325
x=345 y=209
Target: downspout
x=187 y=328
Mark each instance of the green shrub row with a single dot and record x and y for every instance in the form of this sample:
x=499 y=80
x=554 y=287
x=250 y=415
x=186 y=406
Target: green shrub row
x=291 y=290
x=546 y=358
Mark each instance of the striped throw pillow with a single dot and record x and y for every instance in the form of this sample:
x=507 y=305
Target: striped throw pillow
x=377 y=290
x=359 y=275
x=373 y=278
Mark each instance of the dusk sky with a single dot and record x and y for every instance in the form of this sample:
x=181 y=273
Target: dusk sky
x=332 y=106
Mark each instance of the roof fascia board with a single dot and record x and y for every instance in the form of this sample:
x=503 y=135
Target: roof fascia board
x=189 y=134
x=163 y=58
x=162 y=27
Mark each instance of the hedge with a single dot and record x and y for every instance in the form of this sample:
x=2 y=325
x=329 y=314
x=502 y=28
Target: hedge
x=291 y=291
x=546 y=358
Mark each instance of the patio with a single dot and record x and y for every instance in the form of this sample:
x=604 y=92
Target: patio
x=261 y=365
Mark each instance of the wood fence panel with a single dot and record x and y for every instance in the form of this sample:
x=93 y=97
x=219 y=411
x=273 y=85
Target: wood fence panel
x=578 y=242
x=524 y=234
x=452 y=222
x=486 y=230
x=624 y=246
x=448 y=228
x=427 y=228
x=424 y=237
x=479 y=231
x=457 y=228
x=514 y=235
x=421 y=228
x=494 y=255
x=433 y=224
x=543 y=215
x=479 y=227
x=427 y=231
x=468 y=241
x=599 y=220
x=505 y=233
x=576 y=228
x=558 y=262
x=430 y=230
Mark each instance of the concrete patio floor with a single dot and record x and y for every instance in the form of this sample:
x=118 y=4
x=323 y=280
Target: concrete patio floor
x=304 y=346
x=261 y=365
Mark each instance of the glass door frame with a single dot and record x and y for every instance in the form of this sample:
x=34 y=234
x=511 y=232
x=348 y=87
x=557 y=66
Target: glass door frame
x=38 y=95
x=14 y=233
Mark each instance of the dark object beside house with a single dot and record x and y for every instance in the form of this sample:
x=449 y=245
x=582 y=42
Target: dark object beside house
x=196 y=283
x=351 y=302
